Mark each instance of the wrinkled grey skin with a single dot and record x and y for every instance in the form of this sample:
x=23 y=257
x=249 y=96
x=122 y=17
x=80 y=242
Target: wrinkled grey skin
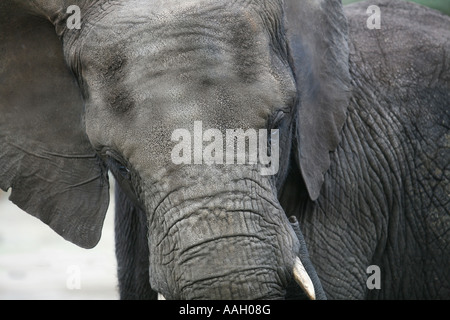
x=364 y=142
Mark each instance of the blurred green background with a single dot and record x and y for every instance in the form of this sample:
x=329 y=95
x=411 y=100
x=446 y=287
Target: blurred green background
x=442 y=5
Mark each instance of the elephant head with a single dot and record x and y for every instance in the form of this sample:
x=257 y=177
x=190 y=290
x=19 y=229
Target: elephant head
x=75 y=103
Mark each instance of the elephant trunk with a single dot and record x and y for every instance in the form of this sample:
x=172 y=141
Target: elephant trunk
x=222 y=240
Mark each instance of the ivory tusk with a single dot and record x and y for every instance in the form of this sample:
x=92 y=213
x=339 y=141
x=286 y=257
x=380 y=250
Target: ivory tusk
x=161 y=297
x=303 y=279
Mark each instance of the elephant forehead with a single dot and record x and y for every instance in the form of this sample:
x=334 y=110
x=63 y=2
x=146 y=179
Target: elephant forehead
x=185 y=37
x=183 y=59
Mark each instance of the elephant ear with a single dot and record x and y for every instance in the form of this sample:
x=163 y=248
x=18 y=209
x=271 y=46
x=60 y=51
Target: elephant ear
x=317 y=35
x=45 y=156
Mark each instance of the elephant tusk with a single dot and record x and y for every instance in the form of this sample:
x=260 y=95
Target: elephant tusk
x=303 y=279
x=161 y=297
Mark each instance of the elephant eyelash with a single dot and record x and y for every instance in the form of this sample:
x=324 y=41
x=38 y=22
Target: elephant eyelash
x=123 y=176
x=276 y=119
x=117 y=166
x=124 y=171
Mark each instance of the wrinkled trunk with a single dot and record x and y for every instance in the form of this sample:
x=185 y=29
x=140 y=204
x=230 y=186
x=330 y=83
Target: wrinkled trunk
x=212 y=239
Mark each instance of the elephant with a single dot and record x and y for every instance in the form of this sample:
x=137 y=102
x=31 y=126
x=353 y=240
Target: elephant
x=354 y=119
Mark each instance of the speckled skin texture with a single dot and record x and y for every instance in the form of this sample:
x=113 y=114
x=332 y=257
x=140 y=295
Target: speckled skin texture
x=364 y=144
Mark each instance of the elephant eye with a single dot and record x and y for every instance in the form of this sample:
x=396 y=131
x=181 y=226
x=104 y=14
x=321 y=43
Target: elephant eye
x=122 y=175
x=117 y=168
x=277 y=119
x=120 y=169
x=124 y=172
